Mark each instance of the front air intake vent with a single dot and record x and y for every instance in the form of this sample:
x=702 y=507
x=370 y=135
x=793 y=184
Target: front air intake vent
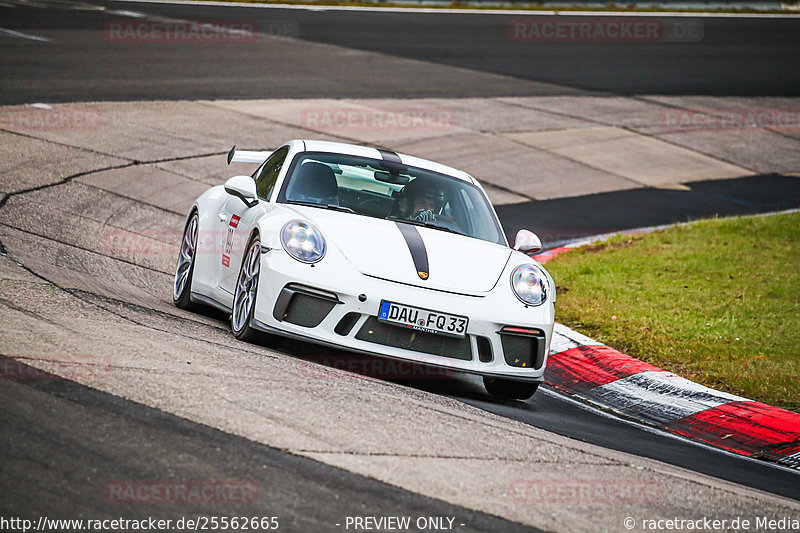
x=346 y=324
x=303 y=306
x=484 y=350
x=523 y=347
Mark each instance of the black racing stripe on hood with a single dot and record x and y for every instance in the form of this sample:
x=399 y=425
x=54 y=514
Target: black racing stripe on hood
x=417 y=248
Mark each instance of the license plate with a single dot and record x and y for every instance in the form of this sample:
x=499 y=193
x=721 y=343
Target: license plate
x=423 y=319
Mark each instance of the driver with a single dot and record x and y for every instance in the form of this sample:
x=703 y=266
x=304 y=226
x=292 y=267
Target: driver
x=421 y=201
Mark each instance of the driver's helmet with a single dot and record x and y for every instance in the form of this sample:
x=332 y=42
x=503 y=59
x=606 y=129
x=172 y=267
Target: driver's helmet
x=419 y=189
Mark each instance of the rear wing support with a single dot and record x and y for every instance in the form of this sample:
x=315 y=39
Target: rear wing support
x=247 y=156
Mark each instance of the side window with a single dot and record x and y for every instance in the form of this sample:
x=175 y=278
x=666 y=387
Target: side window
x=268 y=175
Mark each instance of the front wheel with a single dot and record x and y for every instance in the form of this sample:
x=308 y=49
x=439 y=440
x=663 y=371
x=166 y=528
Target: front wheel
x=244 y=299
x=509 y=389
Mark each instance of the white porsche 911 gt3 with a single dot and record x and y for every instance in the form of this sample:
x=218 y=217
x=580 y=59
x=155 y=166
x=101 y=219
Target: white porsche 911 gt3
x=374 y=252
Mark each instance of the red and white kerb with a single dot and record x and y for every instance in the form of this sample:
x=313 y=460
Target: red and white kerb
x=583 y=368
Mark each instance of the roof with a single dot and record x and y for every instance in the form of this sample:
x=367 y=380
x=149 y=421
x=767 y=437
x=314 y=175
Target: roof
x=365 y=151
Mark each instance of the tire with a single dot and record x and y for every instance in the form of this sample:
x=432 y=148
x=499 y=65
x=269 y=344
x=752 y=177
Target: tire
x=509 y=389
x=244 y=296
x=184 y=271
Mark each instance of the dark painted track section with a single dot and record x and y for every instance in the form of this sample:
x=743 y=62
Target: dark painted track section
x=552 y=413
x=735 y=56
x=62 y=443
x=564 y=219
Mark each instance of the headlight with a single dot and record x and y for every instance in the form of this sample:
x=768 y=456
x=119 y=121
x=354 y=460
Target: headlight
x=303 y=241
x=529 y=284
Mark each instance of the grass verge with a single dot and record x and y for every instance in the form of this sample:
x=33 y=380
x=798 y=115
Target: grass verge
x=716 y=301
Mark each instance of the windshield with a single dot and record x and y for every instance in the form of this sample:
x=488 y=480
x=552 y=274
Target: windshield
x=389 y=190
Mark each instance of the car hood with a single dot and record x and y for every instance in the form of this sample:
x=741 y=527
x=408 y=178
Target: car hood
x=376 y=247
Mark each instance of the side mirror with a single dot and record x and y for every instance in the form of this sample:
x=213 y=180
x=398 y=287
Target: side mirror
x=527 y=242
x=244 y=188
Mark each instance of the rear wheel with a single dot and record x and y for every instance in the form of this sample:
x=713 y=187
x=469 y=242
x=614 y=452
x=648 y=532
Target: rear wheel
x=244 y=298
x=509 y=389
x=182 y=288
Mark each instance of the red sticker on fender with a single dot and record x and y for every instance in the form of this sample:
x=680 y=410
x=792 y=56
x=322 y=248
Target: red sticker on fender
x=226 y=261
x=235 y=221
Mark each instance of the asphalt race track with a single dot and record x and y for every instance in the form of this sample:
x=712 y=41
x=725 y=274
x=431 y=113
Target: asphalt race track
x=576 y=218
x=736 y=57
x=155 y=442
x=569 y=139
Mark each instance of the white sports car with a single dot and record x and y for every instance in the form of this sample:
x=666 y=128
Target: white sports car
x=374 y=252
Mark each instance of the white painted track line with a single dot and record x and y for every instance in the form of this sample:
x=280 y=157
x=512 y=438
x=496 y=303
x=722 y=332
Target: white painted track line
x=444 y=10
x=18 y=34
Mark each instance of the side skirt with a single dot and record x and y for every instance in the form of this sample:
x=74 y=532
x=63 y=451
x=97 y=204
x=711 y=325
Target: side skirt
x=207 y=300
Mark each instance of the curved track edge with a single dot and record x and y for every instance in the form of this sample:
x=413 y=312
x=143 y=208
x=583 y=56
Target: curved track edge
x=592 y=372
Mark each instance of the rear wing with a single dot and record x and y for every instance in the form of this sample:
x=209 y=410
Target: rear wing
x=247 y=156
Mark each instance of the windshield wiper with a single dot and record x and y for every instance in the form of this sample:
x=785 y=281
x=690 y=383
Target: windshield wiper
x=333 y=207
x=443 y=228
x=424 y=224
x=337 y=207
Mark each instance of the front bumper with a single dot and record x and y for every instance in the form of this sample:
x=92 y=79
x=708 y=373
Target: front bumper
x=322 y=303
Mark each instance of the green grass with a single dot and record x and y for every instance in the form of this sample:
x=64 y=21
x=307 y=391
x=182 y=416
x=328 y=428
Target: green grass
x=716 y=301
